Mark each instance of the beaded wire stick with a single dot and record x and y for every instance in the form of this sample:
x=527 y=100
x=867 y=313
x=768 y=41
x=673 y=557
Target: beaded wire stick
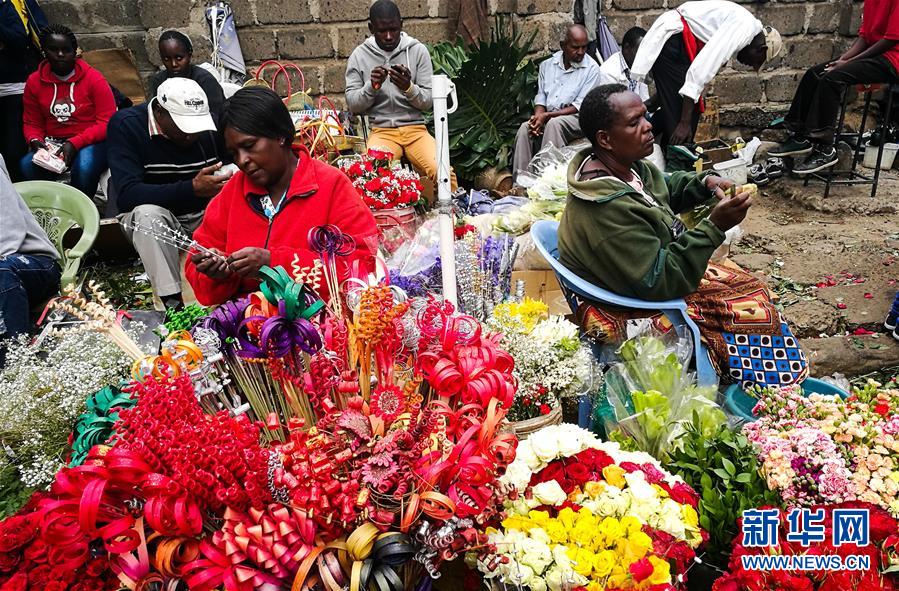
x=166 y=234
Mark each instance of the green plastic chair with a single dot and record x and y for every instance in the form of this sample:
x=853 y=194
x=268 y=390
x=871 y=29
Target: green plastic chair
x=57 y=208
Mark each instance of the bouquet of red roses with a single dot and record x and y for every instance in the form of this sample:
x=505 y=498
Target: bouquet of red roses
x=382 y=183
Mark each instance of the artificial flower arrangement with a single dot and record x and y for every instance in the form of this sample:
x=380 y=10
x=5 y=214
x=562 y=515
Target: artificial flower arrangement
x=881 y=551
x=551 y=362
x=823 y=449
x=363 y=450
x=382 y=183
x=582 y=513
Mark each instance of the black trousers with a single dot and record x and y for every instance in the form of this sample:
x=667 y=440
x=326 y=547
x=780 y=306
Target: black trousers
x=816 y=104
x=669 y=73
x=12 y=140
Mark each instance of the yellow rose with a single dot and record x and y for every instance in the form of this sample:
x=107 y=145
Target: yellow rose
x=557 y=532
x=690 y=516
x=661 y=491
x=661 y=571
x=582 y=561
x=619 y=578
x=604 y=562
x=631 y=524
x=611 y=531
x=517 y=522
x=594 y=489
x=584 y=534
x=539 y=517
x=640 y=540
x=567 y=517
x=614 y=475
x=595 y=586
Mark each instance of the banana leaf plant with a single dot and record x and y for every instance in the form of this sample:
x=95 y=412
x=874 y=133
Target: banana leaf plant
x=495 y=85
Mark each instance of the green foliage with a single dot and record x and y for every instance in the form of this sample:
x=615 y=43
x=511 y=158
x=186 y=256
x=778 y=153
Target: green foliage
x=13 y=493
x=495 y=85
x=723 y=468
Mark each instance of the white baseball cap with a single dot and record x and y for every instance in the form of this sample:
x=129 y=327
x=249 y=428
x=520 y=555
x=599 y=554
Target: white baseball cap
x=186 y=102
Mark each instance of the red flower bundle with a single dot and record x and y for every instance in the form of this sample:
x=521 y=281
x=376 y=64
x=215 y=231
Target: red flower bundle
x=381 y=184
x=217 y=458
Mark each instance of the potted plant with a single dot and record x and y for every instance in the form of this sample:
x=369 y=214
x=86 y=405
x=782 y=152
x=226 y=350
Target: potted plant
x=724 y=469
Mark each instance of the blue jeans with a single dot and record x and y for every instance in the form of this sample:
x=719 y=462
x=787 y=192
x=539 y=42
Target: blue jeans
x=25 y=281
x=87 y=168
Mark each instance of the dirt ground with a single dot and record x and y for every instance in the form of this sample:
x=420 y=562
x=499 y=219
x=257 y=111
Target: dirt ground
x=834 y=264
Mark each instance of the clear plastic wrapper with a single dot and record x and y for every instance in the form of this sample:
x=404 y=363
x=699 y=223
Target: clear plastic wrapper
x=650 y=395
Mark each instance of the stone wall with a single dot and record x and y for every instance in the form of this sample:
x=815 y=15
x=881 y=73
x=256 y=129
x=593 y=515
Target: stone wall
x=319 y=34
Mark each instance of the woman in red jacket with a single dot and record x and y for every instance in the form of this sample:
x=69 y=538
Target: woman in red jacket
x=67 y=103
x=264 y=213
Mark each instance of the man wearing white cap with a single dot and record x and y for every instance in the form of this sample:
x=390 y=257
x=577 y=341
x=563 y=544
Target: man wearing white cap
x=685 y=48
x=165 y=157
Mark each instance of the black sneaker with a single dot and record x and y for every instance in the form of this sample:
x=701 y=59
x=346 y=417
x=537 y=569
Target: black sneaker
x=896 y=334
x=822 y=158
x=793 y=147
x=890 y=322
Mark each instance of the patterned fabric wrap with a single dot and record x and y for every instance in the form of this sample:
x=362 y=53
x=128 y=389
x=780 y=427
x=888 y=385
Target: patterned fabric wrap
x=748 y=340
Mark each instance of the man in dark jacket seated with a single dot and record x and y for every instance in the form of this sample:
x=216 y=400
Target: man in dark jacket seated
x=166 y=158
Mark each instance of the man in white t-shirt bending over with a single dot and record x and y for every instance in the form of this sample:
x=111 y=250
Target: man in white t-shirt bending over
x=685 y=48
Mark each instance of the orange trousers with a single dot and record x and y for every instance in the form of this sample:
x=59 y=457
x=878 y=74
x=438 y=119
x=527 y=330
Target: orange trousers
x=416 y=144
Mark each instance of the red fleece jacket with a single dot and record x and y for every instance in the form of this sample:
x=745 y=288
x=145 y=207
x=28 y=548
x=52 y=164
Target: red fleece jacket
x=318 y=194
x=76 y=109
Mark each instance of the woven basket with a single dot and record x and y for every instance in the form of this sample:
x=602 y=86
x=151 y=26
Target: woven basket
x=521 y=429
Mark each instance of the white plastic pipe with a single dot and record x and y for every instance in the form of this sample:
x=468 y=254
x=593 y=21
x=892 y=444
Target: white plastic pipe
x=442 y=89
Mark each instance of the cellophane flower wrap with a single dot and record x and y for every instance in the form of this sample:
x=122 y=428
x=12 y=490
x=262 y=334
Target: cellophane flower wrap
x=823 y=449
x=382 y=183
x=551 y=362
x=583 y=513
x=881 y=552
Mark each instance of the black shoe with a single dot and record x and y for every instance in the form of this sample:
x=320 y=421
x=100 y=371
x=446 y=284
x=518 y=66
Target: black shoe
x=821 y=159
x=792 y=147
x=891 y=321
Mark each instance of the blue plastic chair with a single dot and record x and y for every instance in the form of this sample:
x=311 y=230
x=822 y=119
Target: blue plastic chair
x=545 y=235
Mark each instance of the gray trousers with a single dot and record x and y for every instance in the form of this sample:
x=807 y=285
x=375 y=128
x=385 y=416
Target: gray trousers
x=161 y=261
x=559 y=131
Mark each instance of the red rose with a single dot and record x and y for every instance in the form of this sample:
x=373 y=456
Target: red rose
x=594 y=458
x=555 y=470
x=545 y=409
x=97 y=567
x=37 y=551
x=18 y=582
x=683 y=494
x=726 y=583
x=578 y=473
x=55 y=586
x=8 y=561
x=641 y=569
x=16 y=531
x=630 y=467
x=374 y=185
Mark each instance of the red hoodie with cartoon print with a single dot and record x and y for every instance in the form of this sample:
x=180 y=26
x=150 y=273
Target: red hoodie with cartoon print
x=76 y=109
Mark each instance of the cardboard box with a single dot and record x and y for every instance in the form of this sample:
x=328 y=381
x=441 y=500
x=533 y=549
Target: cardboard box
x=543 y=286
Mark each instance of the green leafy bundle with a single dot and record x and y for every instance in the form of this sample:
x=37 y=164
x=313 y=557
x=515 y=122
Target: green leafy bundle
x=495 y=85
x=723 y=468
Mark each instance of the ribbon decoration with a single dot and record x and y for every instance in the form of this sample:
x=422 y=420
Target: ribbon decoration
x=299 y=301
x=256 y=549
x=226 y=320
x=95 y=425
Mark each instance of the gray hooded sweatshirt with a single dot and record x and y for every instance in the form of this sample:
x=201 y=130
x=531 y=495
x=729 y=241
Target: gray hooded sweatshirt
x=19 y=231
x=389 y=106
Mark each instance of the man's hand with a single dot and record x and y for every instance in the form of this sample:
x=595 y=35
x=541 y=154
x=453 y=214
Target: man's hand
x=718 y=185
x=730 y=211
x=36 y=145
x=401 y=77
x=67 y=152
x=537 y=123
x=207 y=184
x=378 y=76
x=246 y=262
x=213 y=267
x=682 y=134
x=836 y=64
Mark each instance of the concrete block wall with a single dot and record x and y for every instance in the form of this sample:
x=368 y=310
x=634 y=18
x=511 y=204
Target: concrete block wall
x=318 y=35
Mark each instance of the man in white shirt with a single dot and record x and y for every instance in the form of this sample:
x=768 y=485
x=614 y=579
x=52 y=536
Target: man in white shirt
x=617 y=69
x=685 y=48
x=563 y=82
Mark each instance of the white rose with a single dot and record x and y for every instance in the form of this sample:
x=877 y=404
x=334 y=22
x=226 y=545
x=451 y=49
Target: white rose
x=549 y=493
x=519 y=573
x=518 y=474
x=539 y=534
x=535 y=555
x=535 y=584
x=638 y=487
x=545 y=445
x=562 y=579
x=525 y=454
x=572 y=441
x=611 y=504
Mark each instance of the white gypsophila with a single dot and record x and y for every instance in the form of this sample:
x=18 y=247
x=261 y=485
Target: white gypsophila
x=44 y=389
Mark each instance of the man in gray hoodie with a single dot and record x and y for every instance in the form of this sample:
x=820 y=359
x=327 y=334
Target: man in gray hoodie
x=388 y=78
x=29 y=271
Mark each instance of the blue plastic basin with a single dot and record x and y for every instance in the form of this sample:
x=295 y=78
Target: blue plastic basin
x=740 y=404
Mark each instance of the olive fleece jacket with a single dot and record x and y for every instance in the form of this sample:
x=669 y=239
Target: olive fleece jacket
x=612 y=236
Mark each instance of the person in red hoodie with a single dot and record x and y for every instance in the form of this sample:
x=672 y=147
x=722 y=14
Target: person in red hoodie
x=264 y=213
x=67 y=103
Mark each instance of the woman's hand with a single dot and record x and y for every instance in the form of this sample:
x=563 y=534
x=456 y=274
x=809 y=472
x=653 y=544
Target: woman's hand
x=213 y=267
x=718 y=185
x=246 y=262
x=730 y=211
